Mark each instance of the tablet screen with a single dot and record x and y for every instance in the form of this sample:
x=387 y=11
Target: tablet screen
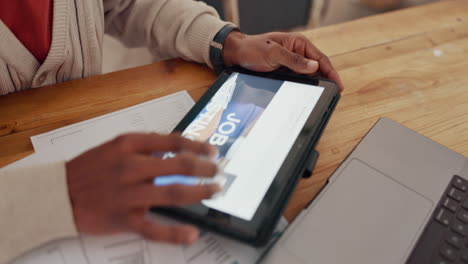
x=253 y=122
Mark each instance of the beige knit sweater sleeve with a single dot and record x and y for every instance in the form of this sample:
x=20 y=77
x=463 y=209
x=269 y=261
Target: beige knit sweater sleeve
x=34 y=208
x=170 y=28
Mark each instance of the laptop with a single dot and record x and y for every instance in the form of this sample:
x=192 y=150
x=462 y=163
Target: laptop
x=399 y=197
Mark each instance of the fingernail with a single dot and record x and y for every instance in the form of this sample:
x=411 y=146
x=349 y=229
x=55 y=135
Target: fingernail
x=312 y=65
x=192 y=237
x=216 y=188
x=213 y=153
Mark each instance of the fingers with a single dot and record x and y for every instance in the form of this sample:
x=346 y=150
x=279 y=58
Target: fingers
x=171 y=195
x=326 y=67
x=176 y=234
x=303 y=46
x=147 y=168
x=150 y=143
x=294 y=61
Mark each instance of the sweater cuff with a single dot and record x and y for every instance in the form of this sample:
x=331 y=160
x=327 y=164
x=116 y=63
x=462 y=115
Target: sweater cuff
x=202 y=32
x=34 y=208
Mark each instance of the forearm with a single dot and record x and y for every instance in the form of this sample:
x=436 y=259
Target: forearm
x=34 y=208
x=170 y=28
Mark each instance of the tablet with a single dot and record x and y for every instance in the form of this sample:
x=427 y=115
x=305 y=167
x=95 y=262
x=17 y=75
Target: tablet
x=265 y=127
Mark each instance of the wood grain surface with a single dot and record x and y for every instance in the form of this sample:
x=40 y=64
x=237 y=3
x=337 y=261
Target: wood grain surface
x=410 y=65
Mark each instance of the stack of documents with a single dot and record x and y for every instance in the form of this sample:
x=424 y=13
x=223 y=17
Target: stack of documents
x=160 y=115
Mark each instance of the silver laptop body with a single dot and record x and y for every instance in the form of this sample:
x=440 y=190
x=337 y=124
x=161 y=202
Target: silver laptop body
x=376 y=203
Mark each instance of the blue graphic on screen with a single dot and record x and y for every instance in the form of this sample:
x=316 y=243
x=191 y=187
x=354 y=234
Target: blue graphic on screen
x=176 y=179
x=227 y=119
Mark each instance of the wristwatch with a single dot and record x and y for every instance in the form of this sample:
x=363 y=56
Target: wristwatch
x=216 y=48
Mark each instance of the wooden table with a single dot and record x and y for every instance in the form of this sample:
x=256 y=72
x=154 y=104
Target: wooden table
x=410 y=65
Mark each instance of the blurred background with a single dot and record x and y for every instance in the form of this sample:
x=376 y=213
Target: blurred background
x=260 y=16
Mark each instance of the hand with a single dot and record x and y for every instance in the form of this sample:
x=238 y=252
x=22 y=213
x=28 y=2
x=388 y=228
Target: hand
x=111 y=187
x=268 y=52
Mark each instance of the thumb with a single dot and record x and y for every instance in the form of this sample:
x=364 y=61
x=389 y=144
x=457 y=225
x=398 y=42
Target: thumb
x=294 y=61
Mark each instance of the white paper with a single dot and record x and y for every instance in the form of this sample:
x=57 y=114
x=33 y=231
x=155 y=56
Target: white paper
x=116 y=249
x=216 y=249
x=67 y=251
x=28 y=161
x=133 y=249
x=159 y=115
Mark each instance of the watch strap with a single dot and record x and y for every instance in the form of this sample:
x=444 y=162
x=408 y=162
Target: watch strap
x=216 y=48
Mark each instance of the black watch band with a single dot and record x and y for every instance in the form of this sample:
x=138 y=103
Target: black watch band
x=216 y=48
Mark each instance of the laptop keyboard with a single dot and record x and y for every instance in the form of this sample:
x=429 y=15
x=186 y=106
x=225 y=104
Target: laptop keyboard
x=445 y=238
